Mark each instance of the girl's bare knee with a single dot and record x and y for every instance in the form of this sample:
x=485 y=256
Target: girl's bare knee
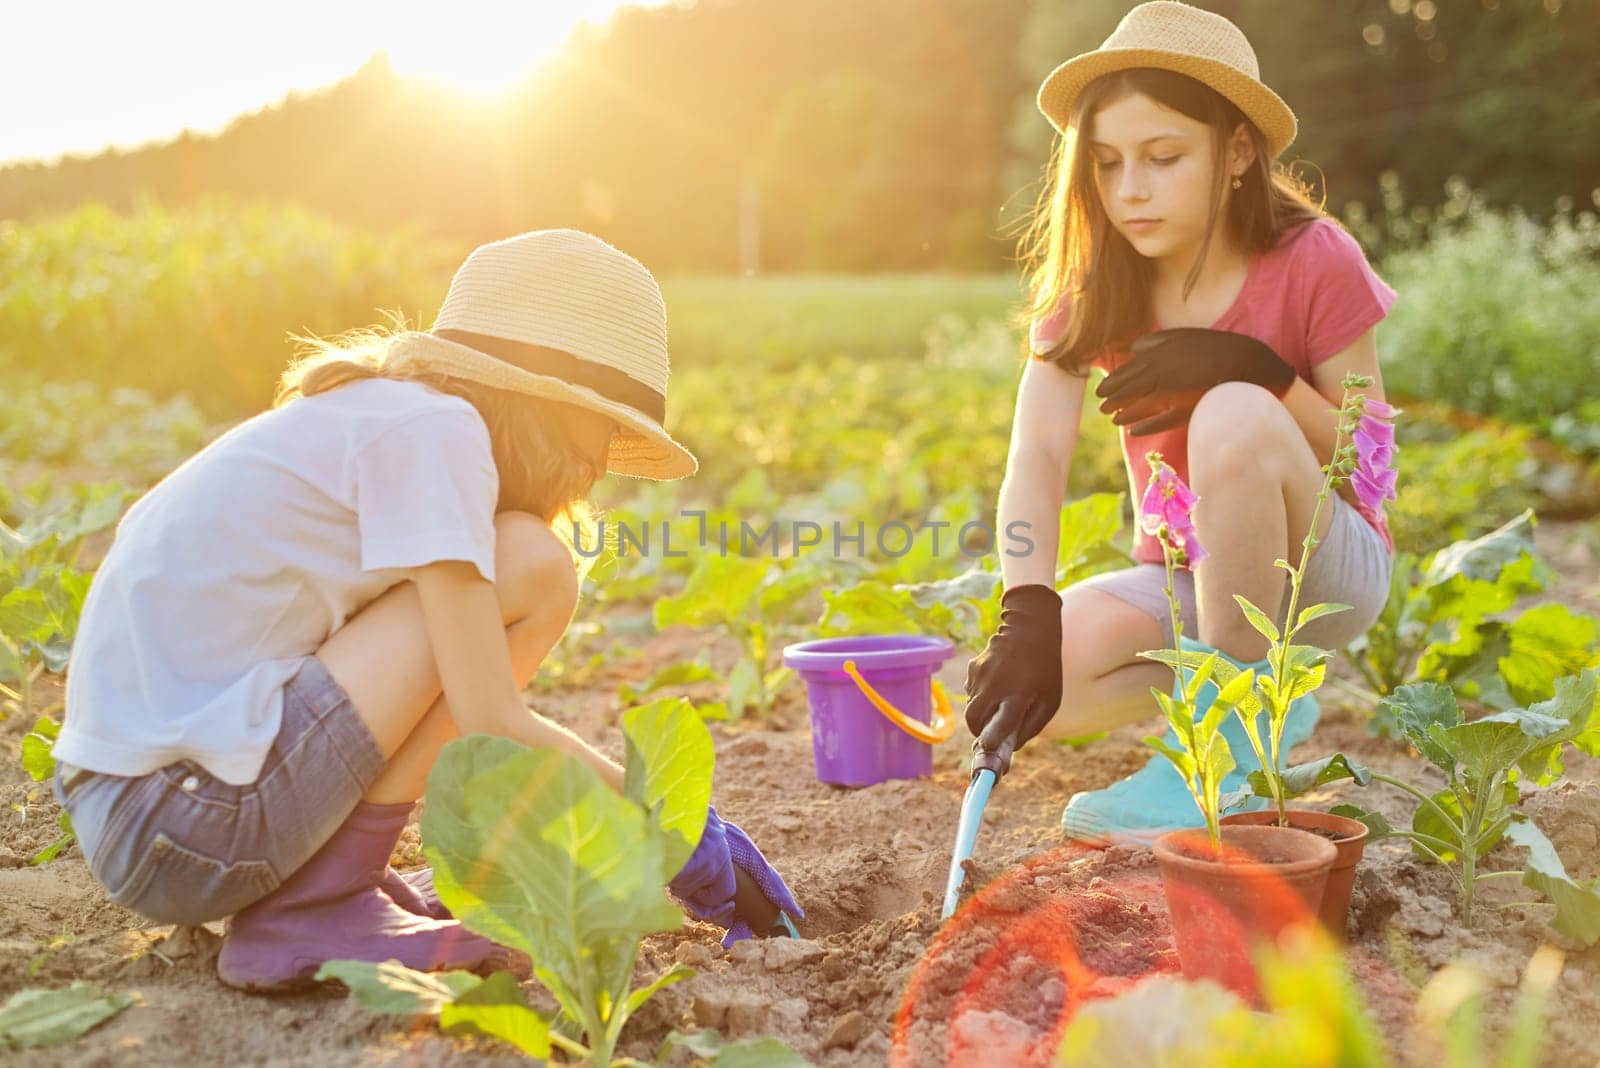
x=1100 y=633
x=1237 y=424
x=534 y=572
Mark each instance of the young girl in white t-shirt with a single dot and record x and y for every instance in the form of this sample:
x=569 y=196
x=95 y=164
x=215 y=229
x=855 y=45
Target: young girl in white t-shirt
x=289 y=627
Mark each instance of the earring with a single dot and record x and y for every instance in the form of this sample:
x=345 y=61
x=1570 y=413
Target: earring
x=1236 y=182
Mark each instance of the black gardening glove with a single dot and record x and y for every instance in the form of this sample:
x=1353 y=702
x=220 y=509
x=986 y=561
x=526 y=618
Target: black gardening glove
x=1014 y=685
x=1172 y=369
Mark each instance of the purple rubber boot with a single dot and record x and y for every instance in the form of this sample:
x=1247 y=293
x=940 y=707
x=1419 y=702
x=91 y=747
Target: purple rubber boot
x=332 y=908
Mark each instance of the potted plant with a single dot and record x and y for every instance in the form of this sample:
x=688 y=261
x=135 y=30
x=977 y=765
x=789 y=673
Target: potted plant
x=1364 y=454
x=1231 y=887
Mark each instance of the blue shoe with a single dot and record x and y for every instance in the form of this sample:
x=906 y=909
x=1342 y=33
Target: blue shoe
x=1154 y=800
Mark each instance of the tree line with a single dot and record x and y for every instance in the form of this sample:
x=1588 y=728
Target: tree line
x=868 y=135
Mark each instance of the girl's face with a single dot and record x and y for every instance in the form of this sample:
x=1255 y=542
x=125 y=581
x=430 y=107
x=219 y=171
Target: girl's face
x=1153 y=163
x=590 y=431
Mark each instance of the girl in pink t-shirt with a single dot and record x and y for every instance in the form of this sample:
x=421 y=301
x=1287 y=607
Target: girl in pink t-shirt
x=1164 y=210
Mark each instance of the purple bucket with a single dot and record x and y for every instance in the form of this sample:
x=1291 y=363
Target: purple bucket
x=854 y=743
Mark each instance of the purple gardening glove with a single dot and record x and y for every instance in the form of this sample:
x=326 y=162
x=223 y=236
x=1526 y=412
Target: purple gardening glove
x=706 y=884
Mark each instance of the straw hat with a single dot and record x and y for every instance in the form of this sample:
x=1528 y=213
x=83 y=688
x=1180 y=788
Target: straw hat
x=1181 y=38
x=561 y=314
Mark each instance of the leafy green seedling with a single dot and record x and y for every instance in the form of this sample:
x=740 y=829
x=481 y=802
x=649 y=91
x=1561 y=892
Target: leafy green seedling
x=1439 y=625
x=746 y=597
x=530 y=848
x=42 y=591
x=39 y=761
x=1483 y=761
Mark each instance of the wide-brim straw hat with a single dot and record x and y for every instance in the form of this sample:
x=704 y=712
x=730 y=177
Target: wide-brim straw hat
x=1182 y=38
x=563 y=315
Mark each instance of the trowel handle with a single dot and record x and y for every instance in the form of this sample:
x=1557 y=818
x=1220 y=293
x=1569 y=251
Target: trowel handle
x=996 y=760
x=752 y=905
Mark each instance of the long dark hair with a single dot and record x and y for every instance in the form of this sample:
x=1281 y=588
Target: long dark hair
x=1070 y=250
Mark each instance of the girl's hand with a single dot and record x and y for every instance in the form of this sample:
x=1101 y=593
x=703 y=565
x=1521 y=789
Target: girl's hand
x=1172 y=369
x=1014 y=685
x=707 y=884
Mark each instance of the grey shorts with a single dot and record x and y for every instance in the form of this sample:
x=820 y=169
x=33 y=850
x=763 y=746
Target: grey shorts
x=180 y=846
x=1351 y=566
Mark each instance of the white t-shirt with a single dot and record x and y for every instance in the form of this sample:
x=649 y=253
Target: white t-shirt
x=248 y=556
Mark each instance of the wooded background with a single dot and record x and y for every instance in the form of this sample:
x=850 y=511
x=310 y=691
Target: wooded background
x=870 y=135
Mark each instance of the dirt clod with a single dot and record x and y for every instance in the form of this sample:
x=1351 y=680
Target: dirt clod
x=846 y=1031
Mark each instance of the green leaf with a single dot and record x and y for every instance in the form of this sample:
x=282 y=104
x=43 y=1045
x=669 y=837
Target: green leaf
x=25 y=614
x=1303 y=681
x=759 y=1053
x=1484 y=748
x=1568 y=716
x=1317 y=611
x=1547 y=642
x=709 y=1049
x=681 y=673
x=704 y=1043
x=530 y=848
x=1181 y=758
x=391 y=987
x=1418 y=707
x=670 y=757
x=969 y=586
x=1426 y=821
x=1483 y=559
x=47 y=728
x=32 y=1018
x=1377 y=826
x=1088 y=526
x=871 y=607
x=1201 y=676
x=782 y=588
x=720 y=590
x=677 y=974
x=1233 y=799
x=1258 y=619
x=1577 y=903
x=496 y=1008
x=1303 y=778
x=1218 y=762
x=53 y=850
x=1226 y=700
x=37 y=758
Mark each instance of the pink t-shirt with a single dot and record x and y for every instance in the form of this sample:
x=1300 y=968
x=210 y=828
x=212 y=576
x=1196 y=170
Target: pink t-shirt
x=1308 y=298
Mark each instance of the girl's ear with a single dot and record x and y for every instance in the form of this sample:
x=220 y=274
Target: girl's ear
x=1241 y=150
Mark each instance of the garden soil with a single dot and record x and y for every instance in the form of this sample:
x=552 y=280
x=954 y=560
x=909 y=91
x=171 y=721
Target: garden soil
x=877 y=977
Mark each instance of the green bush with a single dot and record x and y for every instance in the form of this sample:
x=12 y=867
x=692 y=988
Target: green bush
x=1497 y=315
x=199 y=300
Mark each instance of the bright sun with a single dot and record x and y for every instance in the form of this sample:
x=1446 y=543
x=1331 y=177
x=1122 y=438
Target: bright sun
x=488 y=47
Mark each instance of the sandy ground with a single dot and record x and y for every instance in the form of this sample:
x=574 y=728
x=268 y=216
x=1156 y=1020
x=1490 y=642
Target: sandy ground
x=869 y=867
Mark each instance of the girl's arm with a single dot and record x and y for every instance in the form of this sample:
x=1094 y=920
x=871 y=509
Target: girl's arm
x=1044 y=433
x=462 y=614
x=1316 y=410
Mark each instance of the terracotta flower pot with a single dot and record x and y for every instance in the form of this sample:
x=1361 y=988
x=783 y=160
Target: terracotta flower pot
x=1349 y=838
x=1264 y=881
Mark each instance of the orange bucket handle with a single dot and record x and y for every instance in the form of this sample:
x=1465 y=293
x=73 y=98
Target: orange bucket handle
x=944 y=721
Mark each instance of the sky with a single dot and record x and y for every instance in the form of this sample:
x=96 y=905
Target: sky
x=80 y=76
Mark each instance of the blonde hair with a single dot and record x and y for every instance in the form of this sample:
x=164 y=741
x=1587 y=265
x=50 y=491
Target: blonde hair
x=541 y=472
x=1071 y=251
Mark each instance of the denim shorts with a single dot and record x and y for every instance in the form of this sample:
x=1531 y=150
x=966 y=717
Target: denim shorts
x=1350 y=566
x=180 y=846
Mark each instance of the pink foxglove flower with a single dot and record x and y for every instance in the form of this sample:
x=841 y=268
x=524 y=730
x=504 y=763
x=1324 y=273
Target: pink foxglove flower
x=1374 y=475
x=1167 y=512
